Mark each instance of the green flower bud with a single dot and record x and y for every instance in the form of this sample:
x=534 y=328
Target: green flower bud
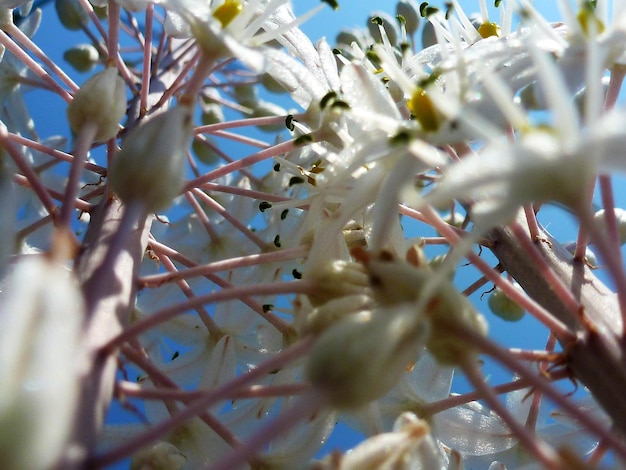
x=204 y=153
x=246 y=95
x=150 y=168
x=71 y=14
x=101 y=101
x=102 y=12
x=502 y=306
x=362 y=357
x=83 y=57
x=211 y=114
x=335 y=280
x=395 y=283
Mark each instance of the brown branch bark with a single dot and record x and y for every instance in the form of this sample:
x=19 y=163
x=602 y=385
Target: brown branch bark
x=597 y=357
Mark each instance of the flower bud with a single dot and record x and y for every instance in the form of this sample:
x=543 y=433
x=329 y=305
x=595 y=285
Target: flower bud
x=150 y=168
x=83 y=57
x=161 y=455
x=397 y=283
x=101 y=101
x=41 y=316
x=502 y=306
x=335 y=280
x=408 y=446
x=363 y=356
x=71 y=14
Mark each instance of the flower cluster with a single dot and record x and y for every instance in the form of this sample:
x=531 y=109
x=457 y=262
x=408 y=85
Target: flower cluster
x=250 y=237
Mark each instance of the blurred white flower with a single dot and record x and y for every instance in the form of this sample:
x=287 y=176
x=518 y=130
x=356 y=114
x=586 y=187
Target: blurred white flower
x=41 y=317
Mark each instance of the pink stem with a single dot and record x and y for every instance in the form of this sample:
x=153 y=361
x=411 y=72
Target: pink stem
x=278 y=361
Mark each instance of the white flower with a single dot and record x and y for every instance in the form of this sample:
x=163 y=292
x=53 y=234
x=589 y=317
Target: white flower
x=408 y=446
x=41 y=317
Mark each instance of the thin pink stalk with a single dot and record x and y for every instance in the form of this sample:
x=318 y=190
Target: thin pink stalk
x=247 y=122
x=541 y=451
x=204 y=68
x=41 y=55
x=161 y=316
x=239 y=164
x=159 y=430
x=297 y=413
x=282 y=326
x=535 y=355
x=212 y=327
x=147 y=60
x=532 y=307
x=37 y=69
x=94 y=18
x=610 y=258
x=531 y=220
x=83 y=142
x=203 y=217
x=186 y=69
x=58 y=154
x=113 y=46
x=618 y=72
x=582 y=238
x=77 y=203
x=163 y=380
x=26 y=231
x=249 y=193
x=156 y=280
x=221 y=210
x=539 y=382
x=254 y=180
x=242 y=139
x=556 y=283
x=33 y=178
x=453 y=401
x=134 y=390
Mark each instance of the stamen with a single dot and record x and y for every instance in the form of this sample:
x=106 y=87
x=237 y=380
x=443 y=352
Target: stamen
x=227 y=11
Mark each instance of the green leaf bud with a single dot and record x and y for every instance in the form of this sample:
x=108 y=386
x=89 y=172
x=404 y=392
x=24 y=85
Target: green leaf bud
x=150 y=168
x=101 y=101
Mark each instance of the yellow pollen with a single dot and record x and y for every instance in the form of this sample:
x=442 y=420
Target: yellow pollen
x=489 y=29
x=586 y=18
x=227 y=11
x=421 y=106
